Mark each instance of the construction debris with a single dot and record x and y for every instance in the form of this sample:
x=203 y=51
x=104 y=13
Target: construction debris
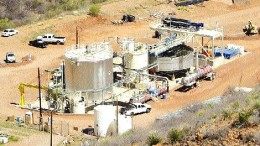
x=125 y=19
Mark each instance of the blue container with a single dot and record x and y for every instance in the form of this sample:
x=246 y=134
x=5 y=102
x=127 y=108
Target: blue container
x=19 y=119
x=164 y=96
x=153 y=92
x=228 y=53
x=218 y=52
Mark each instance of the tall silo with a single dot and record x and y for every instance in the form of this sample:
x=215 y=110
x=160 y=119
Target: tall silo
x=90 y=70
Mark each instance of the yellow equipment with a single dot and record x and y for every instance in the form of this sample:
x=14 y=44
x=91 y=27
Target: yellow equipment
x=250 y=28
x=21 y=89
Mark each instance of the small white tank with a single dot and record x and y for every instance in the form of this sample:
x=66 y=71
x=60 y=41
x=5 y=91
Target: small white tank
x=137 y=59
x=124 y=124
x=79 y=108
x=127 y=44
x=103 y=116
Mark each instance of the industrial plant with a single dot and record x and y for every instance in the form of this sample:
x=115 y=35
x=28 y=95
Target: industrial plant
x=143 y=72
x=95 y=79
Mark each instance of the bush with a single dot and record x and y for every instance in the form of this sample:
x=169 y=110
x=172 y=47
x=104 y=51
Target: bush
x=226 y=114
x=175 y=135
x=243 y=119
x=98 y=1
x=256 y=106
x=153 y=139
x=94 y=10
x=13 y=138
x=6 y=23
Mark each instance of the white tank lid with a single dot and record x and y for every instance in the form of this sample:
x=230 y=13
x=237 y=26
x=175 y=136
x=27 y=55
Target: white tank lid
x=93 y=52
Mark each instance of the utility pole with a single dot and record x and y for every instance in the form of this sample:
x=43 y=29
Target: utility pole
x=51 y=129
x=117 y=115
x=40 y=98
x=77 y=36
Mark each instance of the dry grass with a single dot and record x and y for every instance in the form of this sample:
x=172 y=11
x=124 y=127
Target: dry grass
x=201 y=118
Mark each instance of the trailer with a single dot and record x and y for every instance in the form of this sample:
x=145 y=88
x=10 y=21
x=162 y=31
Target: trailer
x=188 y=2
x=182 y=23
x=202 y=73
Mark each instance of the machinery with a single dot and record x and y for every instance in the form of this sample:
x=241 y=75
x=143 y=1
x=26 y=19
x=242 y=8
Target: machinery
x=21 y=89
x=251 y=29
x=192 y=79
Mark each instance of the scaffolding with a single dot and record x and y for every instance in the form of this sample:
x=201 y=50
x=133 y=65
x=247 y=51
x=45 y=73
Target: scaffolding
x=188 y=34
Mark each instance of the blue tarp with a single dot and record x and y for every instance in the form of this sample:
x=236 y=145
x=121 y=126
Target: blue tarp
x=218 y=52
x=227 y=53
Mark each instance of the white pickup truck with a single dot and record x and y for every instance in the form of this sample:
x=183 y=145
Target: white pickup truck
x=52 y=39
x=136 y=108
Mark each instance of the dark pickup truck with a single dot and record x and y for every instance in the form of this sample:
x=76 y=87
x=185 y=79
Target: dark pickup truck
x=38 y=43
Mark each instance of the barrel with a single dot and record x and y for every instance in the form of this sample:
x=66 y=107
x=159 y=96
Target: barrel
x=164 y=96
x=19 y=119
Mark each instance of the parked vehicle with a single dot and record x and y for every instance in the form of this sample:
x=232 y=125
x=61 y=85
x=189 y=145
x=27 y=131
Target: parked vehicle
x=9 y=32
x=52 y=39
x=10 y=57
x=135 y=108
x=38 y=43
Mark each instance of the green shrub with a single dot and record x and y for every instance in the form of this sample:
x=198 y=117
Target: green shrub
x=235 y=105
x=214 y=116
x=13 y=138
x=153 y=139
x=175 y=135
x=94 y=10
x=243 y=119
x=256 y=106
x=6 y=23
x=226 y=114
x=98 y=1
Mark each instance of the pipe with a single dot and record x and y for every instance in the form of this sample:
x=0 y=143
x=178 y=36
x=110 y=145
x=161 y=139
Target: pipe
x=165 y=78
x=197 y=61
x=198 y=74
x=63 y=74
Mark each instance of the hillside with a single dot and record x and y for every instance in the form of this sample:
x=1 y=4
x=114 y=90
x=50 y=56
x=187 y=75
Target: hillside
x=231 y=119
x=20 y=12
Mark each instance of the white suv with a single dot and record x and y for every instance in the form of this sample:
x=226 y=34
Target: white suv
x=9 y=32
x=10 y=57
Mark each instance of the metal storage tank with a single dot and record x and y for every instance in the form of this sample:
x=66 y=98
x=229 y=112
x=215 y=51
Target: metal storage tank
x=90 y=70
x=104 y=115
x=178 y=58
x=136 y=59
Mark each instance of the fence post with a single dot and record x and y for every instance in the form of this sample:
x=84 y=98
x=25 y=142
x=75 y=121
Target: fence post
x=68 y=128
x=61 y=128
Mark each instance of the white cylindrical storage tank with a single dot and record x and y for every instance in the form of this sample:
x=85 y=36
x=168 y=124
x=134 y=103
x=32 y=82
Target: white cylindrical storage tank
x=137 y=59
x=124 y=124
x=103 y=116
x=79 y=108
